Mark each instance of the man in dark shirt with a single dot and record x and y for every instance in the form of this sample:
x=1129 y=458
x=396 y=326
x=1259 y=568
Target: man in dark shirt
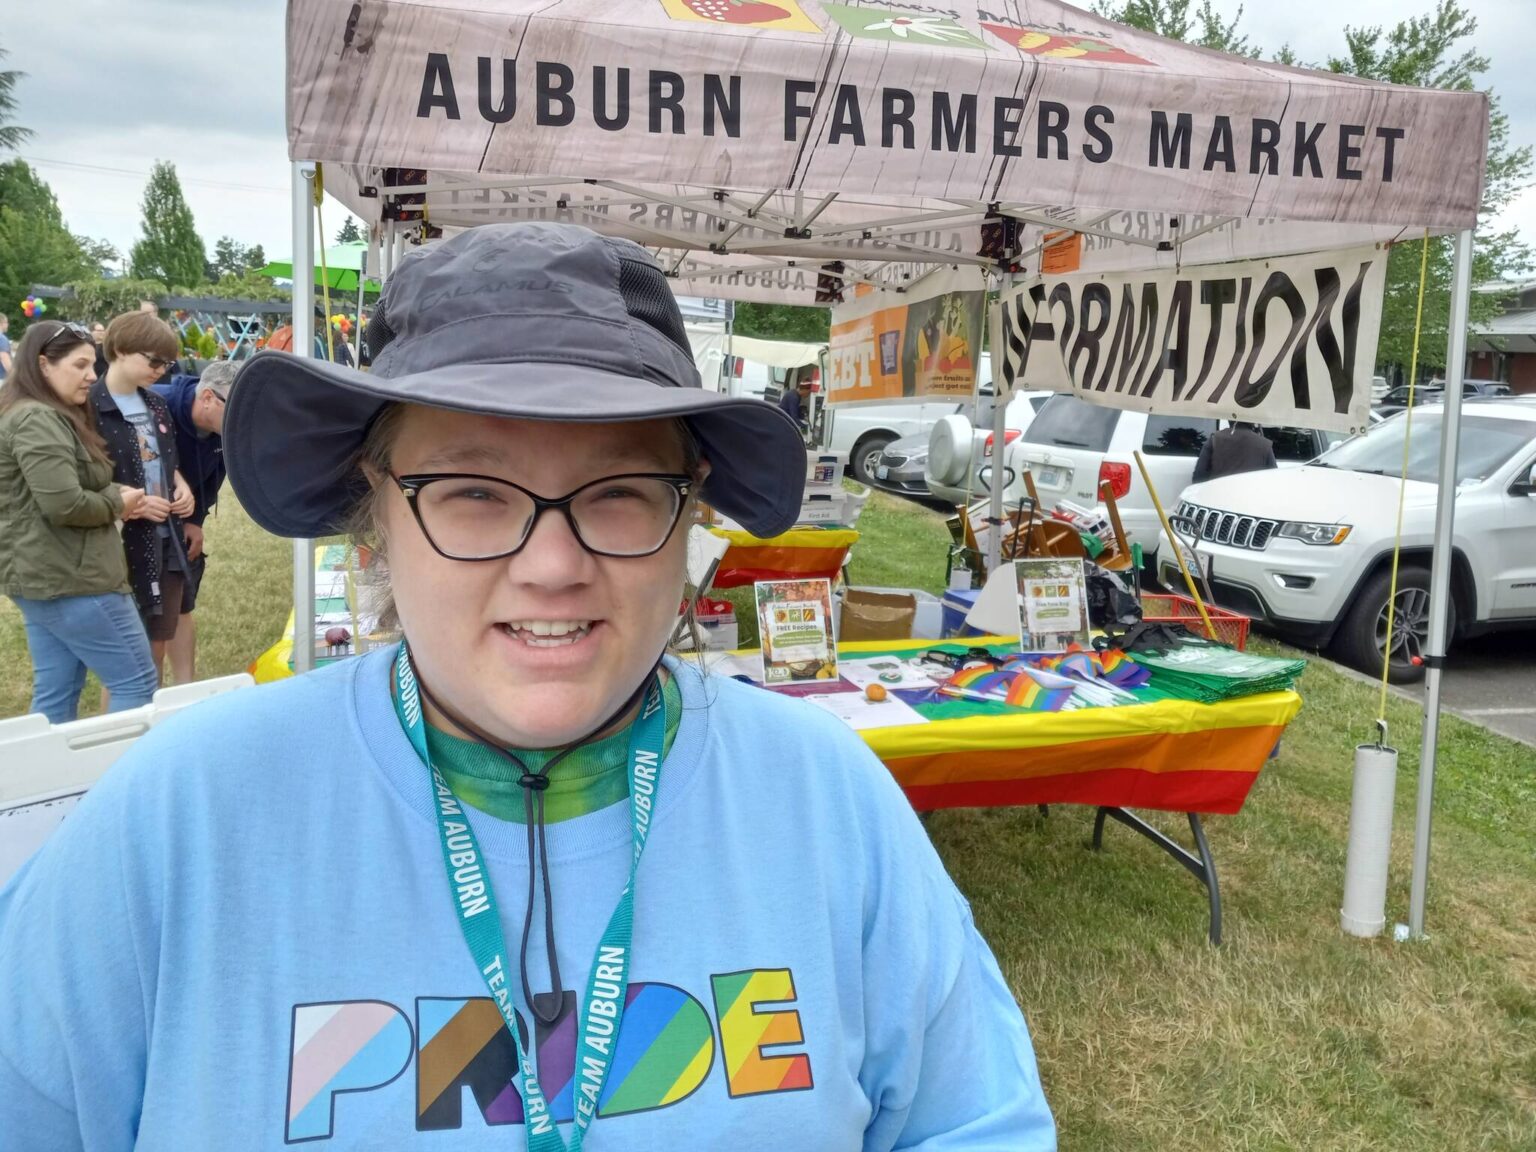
x=99 y=337
x=790 y=402
x=1234 y=449
x=197 y=407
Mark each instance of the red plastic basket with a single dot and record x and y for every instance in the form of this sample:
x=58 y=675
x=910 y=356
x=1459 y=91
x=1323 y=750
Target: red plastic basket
x=1171 y=608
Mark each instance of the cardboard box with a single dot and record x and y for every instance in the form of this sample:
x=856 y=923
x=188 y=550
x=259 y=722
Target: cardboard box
x=870 y=614
x=927 y=624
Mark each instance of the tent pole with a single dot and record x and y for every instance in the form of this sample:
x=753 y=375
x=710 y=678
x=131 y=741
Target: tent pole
x=1000 y=401
x=1440 y=573
x=303 y=345
x=387 y=250
x=357 y=328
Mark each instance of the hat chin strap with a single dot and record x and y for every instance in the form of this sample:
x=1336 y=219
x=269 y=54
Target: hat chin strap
x=533 y=785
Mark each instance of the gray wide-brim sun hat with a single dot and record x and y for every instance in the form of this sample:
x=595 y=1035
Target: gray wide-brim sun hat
x=530 y=321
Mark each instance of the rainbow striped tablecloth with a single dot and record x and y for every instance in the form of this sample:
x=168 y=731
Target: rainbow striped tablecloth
x=1174 y=755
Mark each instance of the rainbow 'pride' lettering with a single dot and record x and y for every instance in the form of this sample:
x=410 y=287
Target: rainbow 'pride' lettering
x=342 y=1051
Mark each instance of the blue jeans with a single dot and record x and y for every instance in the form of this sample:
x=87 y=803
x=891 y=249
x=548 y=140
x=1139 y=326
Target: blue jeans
x=73 y=633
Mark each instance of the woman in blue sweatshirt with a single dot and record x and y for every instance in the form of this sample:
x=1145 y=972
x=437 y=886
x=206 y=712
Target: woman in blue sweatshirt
x=521 y=882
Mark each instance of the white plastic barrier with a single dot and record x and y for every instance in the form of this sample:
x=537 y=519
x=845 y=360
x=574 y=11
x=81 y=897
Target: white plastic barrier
x=45 y=768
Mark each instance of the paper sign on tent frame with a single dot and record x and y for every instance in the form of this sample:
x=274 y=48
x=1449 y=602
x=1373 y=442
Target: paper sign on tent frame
x=922 y=342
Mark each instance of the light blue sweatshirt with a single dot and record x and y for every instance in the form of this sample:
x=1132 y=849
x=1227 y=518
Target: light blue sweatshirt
x=244 y=938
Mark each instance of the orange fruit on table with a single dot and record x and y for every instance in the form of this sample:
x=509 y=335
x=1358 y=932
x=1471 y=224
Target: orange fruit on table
x=875 y=693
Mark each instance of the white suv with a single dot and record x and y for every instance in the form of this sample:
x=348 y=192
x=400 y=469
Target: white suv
x=1309 y=551
x=958 y=448
x=1072 y=446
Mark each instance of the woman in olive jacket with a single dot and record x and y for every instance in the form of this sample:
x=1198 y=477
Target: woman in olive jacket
x=61 y=557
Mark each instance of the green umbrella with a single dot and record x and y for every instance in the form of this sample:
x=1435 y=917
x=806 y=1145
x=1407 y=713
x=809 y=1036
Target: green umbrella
x=342 y=264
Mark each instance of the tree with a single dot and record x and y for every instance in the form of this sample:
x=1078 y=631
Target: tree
x=101 y=254
x=92 y=298
x=170 y=250
x=350 y=233
x=782 y=322
x=1171 y=18
x=231 y=258
x=12 y=136
x=1429 y=51
x=35 y=245
x=248 y=285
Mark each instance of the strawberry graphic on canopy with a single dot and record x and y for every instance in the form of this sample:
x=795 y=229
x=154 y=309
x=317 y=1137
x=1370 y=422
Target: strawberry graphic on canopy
x=785 y=14
x=737 y=11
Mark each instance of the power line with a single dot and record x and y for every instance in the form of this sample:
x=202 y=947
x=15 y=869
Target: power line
x=229 y=185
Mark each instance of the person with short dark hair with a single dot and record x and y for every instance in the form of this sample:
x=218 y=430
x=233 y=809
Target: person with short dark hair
x=61 y=559
x=1234 y=449
x=141 y=440
x=791 y=404
x=197 y=406
x=99 y=338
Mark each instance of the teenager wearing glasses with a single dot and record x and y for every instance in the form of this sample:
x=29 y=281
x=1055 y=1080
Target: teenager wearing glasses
x=61 y=559
x=141 y=440
x=623 y=903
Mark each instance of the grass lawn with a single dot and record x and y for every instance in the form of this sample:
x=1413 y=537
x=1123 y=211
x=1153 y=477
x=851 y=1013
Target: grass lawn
x=1289 y=1036
x=241 y=609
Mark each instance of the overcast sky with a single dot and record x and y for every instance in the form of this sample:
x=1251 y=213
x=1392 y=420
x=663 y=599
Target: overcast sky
x=114 y=85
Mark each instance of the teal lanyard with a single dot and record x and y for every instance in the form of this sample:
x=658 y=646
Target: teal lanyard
x=603 y=1009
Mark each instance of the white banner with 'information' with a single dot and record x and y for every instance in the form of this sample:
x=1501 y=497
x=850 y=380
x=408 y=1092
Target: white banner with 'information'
x=1287 y=342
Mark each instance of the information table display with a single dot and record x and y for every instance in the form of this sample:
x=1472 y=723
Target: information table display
x=1160 y=753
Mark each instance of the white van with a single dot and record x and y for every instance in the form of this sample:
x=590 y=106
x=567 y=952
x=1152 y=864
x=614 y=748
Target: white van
x=749 y=378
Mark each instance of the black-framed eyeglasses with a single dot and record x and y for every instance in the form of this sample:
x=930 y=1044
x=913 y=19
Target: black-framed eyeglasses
x=80 y=332
x=156 y=363
x=469 y=517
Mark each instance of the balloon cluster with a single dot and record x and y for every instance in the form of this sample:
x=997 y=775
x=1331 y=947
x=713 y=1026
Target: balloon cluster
x=32 y=307
x=342 y=323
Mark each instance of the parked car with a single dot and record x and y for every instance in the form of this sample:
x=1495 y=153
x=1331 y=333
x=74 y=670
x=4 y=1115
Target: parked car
x=1073 y=446
x=862 y=432
x=961 y=445
x=1309 y=551
x=1379 y=388
x=902 y=465
x=1433 y=392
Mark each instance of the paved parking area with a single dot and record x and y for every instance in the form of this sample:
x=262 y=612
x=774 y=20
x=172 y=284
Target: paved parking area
x=1492 y=681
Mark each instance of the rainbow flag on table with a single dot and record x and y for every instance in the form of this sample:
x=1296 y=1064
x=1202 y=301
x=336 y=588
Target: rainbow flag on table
x=1029 y=694
x=1013 y=687
x=1112 y=666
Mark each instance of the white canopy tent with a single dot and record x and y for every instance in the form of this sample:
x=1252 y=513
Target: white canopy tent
x=786 y=151
x=774 y=353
